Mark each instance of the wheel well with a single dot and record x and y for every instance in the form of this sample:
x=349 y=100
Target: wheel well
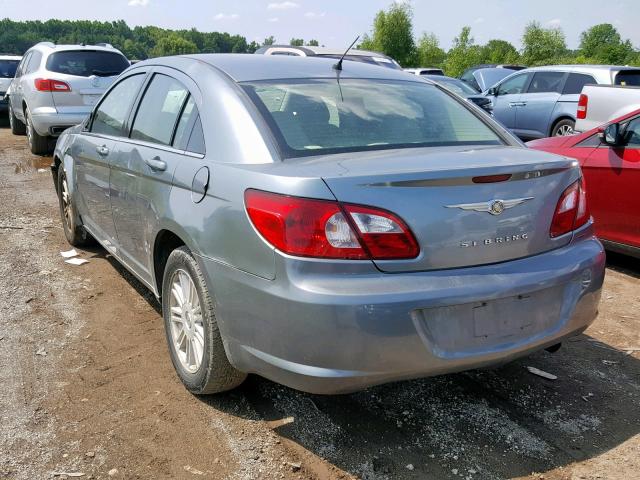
x=558 y=120
x=166 y=242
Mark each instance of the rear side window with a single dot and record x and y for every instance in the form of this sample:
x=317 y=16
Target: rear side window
x=546 y=82
x=576 y=82
x=85 y=63
x=34 y=62
x=189 y=135
x=159 y=110
x=628 y=78
x=323 y=116
x=112 y=113
x=8 y=68
x=196 y=141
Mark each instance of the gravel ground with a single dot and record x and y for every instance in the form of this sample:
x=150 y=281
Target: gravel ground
x=89 y=388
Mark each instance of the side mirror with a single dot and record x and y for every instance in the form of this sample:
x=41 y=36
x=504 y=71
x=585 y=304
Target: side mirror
x=611 y=135
x=493 y=91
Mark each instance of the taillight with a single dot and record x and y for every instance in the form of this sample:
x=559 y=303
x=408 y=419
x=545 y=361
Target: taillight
x=327 y=229
x=571 y=212
x=582 y=106
x=48 y=85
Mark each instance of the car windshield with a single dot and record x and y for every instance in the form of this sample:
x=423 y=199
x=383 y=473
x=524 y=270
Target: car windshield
x=85 y=63
x=8 y=68
x=456 y=86
x=323 y=116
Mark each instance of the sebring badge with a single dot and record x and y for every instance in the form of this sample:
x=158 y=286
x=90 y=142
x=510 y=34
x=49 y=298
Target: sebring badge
x=494 y=207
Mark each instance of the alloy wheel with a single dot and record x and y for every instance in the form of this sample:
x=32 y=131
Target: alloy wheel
x=564 y=130
x=66 y=204
x=187 y=327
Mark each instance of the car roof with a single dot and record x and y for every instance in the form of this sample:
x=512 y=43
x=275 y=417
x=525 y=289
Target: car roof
x=326 y=50
x=242 y=67
x=52 y=47
x=582 y=68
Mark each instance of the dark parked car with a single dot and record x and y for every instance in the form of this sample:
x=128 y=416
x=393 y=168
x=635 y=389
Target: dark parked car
x=479 y=82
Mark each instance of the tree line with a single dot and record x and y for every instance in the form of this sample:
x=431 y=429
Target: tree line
x=392 y=34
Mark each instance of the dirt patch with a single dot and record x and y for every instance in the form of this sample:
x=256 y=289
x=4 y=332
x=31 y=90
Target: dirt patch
x=89 y=387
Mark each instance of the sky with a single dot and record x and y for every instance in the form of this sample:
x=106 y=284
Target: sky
x=336 y=23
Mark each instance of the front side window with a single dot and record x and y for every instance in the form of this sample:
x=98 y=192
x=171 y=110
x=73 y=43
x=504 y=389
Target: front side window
x=159 y=110
x=324 y=116
x=546 y=82
x=111 y=114
x=8 y=68
x=85 y=63
x=514 y=85
x=576 y=82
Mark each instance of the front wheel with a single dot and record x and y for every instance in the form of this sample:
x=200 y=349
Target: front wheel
x=195 y=344
x=75 y=234
x=38 y=144
x=563 y=128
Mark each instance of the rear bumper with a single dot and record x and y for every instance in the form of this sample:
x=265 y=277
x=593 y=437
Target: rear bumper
x=322 y=331
x=47 y=121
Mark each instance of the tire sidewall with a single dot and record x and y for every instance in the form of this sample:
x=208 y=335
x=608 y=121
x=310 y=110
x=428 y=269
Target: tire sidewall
x=180 y=259
x=74 y=234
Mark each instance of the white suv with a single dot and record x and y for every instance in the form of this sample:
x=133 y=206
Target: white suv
x=56 y=87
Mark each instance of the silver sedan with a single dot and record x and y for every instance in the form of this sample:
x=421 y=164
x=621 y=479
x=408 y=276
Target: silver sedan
x=328 y=226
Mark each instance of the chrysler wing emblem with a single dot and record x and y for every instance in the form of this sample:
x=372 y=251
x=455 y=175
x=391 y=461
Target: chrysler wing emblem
x=494 y=207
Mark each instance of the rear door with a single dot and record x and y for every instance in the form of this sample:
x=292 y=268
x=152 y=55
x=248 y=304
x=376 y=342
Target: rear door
x=94 y=153
x=612 y=178
x=507 y=99
x=142 y=175
x=88 y=73
x=537 y=103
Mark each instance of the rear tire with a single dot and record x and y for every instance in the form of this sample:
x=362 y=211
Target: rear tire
x=17 y=127
x=75 y=234
x=563 y=128
x=195 y=344
x=38 y=144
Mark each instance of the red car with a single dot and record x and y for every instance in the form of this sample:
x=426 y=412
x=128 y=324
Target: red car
x=610 y=159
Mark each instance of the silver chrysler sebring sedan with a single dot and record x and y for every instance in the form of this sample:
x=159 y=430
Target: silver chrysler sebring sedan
x=328 y=226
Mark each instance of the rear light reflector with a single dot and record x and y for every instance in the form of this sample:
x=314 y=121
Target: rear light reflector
x=326 y=229
x=582 y=106
x=48 y=85
x=571 y=211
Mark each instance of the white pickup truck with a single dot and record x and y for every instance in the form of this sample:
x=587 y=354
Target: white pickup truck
x=600 y=104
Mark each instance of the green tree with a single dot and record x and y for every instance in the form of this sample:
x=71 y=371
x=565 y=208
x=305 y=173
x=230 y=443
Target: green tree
x=313 y=43
x=500 y=52
x=542 y=45
x=173 y=45
x=463 y=54
x=602 y=44
x=429 y=52
x=268 y=41
x=296 y=42
x=393 y=34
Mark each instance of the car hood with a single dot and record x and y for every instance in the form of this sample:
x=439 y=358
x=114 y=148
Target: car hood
x=552 y=142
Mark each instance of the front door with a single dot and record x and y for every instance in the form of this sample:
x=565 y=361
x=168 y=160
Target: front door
x=506 y=101
x=612 y=177
x=96 y=151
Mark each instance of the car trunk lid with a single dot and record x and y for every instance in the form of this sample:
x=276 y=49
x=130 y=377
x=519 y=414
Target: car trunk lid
x=459 y=214
x=85 y=93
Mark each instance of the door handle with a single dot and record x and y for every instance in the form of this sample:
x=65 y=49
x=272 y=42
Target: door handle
x=517 y=104
x=156 y=164
x=103 y=151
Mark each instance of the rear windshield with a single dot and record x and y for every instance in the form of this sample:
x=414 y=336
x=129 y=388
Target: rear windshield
x=8 y=68
x=85 y=63
x=323 y=116
x=629 y=78
x=456 y=86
